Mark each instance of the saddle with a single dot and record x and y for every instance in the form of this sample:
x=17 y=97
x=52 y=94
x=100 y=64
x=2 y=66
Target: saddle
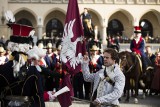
x=140 y=62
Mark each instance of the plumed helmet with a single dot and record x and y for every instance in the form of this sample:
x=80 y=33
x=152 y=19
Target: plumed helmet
x=21 y=35
x=36 y=53
x=40 y=45
x=49 y=46
x=94 y=48
x=2 y=50
x=137 y=29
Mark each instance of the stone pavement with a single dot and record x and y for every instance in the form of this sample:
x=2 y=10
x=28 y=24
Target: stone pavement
x=150 y=101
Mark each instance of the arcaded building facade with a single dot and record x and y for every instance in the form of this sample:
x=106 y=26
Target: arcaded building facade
x=113 y=17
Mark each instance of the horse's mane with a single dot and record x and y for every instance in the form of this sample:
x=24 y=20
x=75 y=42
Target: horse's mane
x=131 y=57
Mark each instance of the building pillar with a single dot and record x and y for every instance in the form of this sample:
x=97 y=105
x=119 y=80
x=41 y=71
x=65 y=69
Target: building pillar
x=104 y=35
x=40 y=27
x=136 y=21
x=104 y=23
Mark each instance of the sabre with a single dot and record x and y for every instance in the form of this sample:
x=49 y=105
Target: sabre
x=82 y=100
x=87 y=101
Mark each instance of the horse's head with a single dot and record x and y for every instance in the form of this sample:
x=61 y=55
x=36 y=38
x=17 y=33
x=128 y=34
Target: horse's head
x=124 y=60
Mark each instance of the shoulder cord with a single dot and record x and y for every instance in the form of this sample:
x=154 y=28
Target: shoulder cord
x=108 y=78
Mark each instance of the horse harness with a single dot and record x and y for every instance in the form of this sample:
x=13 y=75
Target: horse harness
x=131 y=67
x=107 y=78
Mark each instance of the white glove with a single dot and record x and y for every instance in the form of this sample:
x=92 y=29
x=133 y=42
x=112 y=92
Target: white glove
x=85 y=59
x=51 y=96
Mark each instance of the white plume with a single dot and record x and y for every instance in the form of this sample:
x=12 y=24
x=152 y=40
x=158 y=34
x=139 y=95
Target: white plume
x=36 y=53
x=9 y=16
x=31 y=33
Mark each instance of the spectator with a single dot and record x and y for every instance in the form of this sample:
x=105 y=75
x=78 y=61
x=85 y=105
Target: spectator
x=156 y=79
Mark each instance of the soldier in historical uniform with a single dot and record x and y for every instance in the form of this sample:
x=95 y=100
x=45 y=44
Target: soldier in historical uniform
x=20 y=80
x=51 y=61
x=137 y=46
x=108 y=82
x=87 y=24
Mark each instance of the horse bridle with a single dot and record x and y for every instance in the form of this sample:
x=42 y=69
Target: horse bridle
x=125 y=59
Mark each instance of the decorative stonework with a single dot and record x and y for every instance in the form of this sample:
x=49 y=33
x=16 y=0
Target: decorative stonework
x=90 y=1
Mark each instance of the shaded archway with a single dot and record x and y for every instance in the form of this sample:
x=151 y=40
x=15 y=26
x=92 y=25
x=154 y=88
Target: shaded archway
x=147 y=29
x=115 y=28
x=54 y=28
x=152 y=17
x=24 y=21
x=26 y=18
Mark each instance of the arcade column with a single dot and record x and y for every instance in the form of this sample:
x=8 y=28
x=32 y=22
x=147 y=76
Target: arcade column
x=39 y=27
x=104 y=35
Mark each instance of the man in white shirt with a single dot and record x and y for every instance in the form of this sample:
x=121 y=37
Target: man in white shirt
x=108 y=82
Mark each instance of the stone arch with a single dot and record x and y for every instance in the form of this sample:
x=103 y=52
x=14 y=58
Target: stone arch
x=153 y=16
x=25 y=13
x=125 y=18
x=125 y=12
x=32 y=13
x=57 y=16
x=54 y=9
x=155 y=12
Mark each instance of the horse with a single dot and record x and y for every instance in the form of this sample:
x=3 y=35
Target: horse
x=132 y=68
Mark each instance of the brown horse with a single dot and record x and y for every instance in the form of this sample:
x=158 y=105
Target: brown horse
x=132 y=69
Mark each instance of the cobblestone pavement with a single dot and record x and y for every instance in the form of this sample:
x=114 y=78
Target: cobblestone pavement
x=149 y=101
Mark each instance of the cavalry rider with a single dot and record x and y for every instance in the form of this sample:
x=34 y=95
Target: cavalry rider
x=137 y=46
